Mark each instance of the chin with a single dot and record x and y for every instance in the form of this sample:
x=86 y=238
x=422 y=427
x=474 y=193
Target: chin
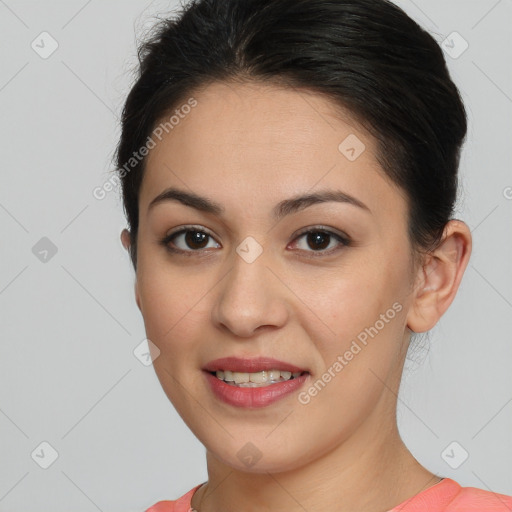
x=260 y=456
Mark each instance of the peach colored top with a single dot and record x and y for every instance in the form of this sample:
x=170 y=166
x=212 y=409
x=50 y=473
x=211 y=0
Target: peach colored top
x=445 y=496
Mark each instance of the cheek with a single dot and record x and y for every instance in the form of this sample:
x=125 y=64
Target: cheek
x=171 y=305
x=357 y=314
x=342 y=303
x=174 y=319
x=360 y=350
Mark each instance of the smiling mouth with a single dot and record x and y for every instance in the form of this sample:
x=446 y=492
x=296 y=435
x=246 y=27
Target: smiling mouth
x=256 y=379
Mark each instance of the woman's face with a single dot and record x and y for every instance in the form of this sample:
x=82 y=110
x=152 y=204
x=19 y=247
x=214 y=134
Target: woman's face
x=246 y=283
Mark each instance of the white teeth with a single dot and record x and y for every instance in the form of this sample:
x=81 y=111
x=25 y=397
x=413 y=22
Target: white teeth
x=240 y=377
x=264 y=377
x=272 y=375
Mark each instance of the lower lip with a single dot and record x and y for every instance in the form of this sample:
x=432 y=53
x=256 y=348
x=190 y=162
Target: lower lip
x=253 y=397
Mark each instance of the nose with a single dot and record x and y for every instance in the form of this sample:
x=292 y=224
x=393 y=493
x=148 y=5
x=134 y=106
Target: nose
x=250 y=297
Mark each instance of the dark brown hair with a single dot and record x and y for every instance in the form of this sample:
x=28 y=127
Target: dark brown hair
x=367 y=56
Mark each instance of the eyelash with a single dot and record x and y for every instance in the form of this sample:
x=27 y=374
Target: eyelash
x=344 y=240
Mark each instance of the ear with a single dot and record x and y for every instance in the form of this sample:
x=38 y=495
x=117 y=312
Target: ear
x=125 y=240
x=439 y=277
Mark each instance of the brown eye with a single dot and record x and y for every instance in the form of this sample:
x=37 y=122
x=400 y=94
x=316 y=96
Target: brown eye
x=196 y=239
x=318 y=240
x=187 y=241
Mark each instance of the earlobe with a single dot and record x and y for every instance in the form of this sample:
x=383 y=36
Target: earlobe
x=125 y=239
x=440 y=277
x=137 y=297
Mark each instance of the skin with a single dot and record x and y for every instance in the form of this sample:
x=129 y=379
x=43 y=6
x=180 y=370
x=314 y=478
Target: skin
x=249 y=146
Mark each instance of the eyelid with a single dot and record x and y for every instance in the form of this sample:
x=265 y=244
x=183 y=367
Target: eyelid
x=322 y=228
x=188 y=227
x=307 y=229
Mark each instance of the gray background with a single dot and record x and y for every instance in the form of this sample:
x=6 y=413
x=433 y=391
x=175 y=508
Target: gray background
x=69 y=325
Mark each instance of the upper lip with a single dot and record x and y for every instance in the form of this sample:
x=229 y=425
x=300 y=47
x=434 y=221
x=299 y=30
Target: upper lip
x=257 y=364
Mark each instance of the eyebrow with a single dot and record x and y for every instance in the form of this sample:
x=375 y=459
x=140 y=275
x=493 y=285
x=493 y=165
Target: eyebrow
x=282 y=209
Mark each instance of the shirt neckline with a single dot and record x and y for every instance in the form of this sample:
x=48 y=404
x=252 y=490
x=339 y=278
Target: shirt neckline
x=437 y=495
x=446 y=488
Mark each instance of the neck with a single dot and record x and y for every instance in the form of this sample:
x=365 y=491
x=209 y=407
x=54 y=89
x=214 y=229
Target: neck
x=364 y=472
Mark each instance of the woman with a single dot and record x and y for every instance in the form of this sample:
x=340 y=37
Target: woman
x=289 y=174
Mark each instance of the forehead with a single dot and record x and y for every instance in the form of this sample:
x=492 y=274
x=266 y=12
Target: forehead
x=253 y=142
